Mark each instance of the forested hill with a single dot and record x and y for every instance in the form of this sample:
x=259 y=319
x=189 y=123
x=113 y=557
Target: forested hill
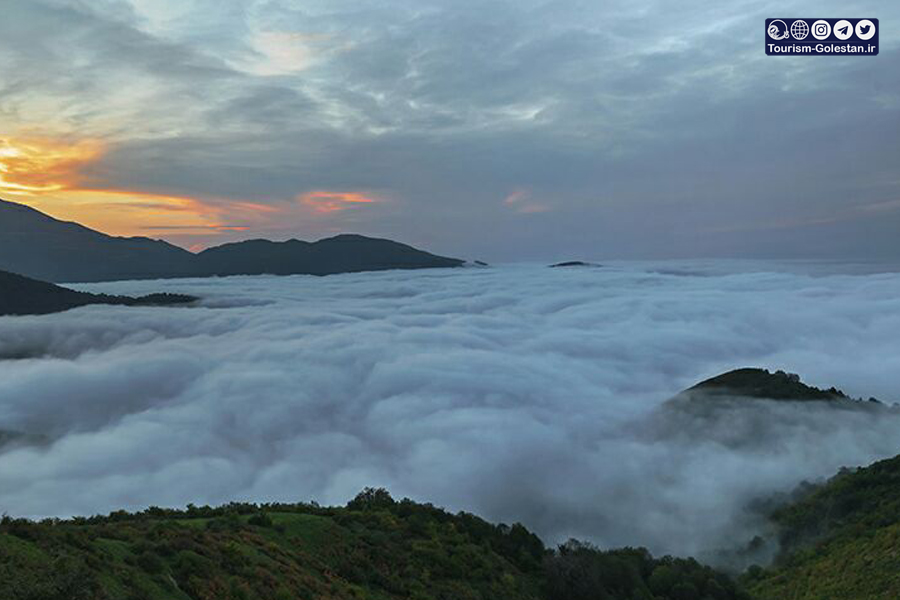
x=373 y=548
x=840 y=540
x=760 y=383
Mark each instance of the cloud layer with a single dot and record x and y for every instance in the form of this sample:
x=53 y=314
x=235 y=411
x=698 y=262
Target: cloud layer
x=520 y=393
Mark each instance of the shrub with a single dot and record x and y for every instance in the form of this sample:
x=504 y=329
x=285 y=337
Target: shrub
x=150 y=562
x=260 y=520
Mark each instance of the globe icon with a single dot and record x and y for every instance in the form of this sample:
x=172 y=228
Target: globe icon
x=799 y=29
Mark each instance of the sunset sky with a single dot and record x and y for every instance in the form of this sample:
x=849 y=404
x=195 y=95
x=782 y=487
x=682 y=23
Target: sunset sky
x=503 y=130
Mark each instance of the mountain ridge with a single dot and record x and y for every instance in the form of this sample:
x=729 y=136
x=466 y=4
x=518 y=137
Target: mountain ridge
x=39 y=246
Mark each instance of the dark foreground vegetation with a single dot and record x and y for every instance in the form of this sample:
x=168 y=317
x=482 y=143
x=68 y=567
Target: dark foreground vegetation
x=374 y=548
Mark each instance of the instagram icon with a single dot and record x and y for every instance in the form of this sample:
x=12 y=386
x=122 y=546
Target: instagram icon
x=821 y=29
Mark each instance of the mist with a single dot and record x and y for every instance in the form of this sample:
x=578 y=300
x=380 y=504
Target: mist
x=519 y=393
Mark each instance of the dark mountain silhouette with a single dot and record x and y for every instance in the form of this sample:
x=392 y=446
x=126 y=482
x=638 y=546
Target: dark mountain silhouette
x=340 y=254
x=37 y=245
x=23 y=296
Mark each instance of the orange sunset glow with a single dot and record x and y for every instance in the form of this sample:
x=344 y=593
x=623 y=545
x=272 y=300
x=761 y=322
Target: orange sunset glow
x=49 y=174
x=329 y=202
x=34 y=165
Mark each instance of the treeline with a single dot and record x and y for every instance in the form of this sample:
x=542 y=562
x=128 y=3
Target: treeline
x=578 y=571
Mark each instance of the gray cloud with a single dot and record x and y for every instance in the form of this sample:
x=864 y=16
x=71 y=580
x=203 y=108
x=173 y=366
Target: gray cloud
x=520 y=393
x=603 y=114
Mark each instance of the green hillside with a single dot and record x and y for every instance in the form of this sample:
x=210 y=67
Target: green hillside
x=374 y=548
x=840 y=541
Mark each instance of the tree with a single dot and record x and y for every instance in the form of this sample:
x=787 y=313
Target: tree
x=372 y=499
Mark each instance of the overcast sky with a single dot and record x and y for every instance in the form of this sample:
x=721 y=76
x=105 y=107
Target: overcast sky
x=498 y=130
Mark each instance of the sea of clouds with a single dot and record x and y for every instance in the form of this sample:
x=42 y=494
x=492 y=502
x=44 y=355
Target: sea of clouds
x=520 y=393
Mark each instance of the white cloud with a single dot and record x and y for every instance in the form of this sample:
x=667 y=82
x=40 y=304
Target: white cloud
x=520 y=393
x=281 y=53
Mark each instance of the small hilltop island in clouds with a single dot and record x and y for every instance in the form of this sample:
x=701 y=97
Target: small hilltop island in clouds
x=247 y=353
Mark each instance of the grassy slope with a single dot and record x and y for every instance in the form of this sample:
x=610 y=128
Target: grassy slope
x=291 y=552
x=375 y=548
x=842 y=540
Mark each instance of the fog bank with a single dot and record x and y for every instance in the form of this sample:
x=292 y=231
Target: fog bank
x=520 y=393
